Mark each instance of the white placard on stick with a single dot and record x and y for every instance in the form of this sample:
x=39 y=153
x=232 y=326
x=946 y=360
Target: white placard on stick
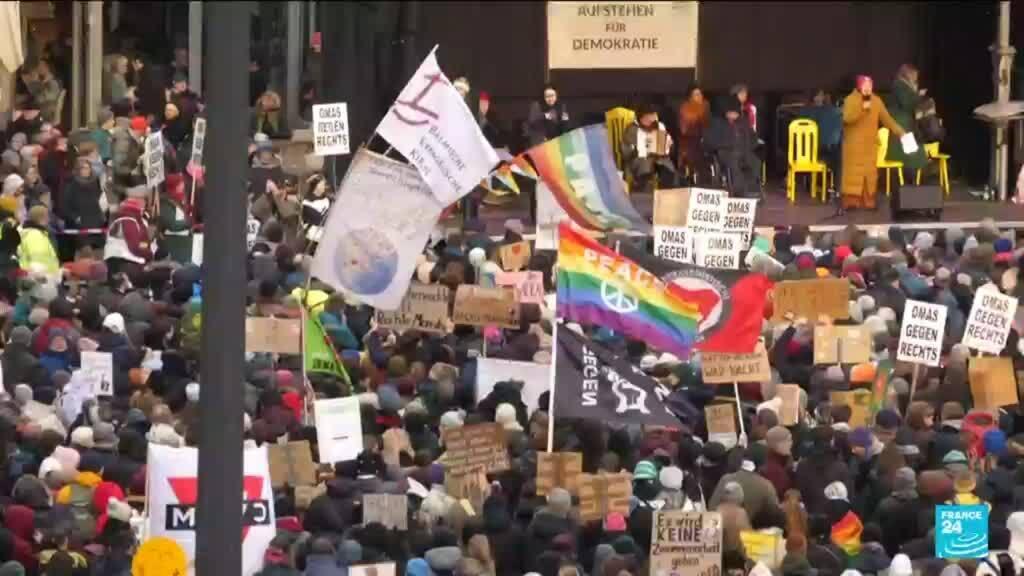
x=739 y=218
x=339 y=429
x=706 y=210
x=717 y=250
x=198 y=141
x=330 y=129
x=991 y=317
x=921 y=333
x=674 y=243
x=98 y=370
x=154 y=150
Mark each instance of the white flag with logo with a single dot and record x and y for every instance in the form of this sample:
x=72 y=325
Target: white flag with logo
x=173 y=492
x=431 y=125
x=376 y=229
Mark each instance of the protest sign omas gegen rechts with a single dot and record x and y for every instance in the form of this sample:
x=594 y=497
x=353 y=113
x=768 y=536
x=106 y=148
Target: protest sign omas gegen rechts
x=991 y=317
x=921 y=333
x=330 y=129
x=703 y=227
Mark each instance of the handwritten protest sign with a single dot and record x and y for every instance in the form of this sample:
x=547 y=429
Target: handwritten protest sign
x=477 y=446
x=739 y=219
x=330 y=129
x=425 y=308
x=278 y=335
x=154 y=151
x=765 y=546
x=859 y=402
x=993 y=382
x=478 y=306
x=673 y=243
x=601 y=494
x=471 y=487
x=921 y=333
x=721 y=418
x=789 y=415
x=304 y=495
x=812 y=298
x=536 y=378
x=989 y=323
x=717 y=250
x=514 y=257
x=686 y=543
x=98 y=370
x=841 y=344
x=671 y=207
x=728 y=368
x=291 y=464
x=558 y=469
x=529 y=286
x=706 y=209
x=391 y=510
x=339 y=429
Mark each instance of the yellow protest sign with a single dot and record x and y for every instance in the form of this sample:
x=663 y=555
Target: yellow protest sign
x=160 y=556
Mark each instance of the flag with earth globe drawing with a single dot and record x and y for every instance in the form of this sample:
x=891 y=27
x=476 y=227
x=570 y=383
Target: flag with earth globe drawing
x=376 y=229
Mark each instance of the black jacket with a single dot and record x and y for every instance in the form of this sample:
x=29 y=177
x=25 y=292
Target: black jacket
x=82 y=204
x=898 y=518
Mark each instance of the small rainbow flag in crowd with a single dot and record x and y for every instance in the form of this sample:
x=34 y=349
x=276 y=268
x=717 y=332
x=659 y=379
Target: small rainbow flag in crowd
x=599 y=287
x=579 y=169
x=846 y=534
x=521 y=165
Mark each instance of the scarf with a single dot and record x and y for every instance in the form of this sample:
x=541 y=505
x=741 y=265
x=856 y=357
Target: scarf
x=846 y=534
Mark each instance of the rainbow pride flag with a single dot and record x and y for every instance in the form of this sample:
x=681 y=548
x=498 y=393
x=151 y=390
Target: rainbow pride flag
x=846 y=534
x=599 y=287
x=579 y=169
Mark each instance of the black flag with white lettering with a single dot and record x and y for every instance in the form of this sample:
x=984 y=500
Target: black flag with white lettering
x=595 y=384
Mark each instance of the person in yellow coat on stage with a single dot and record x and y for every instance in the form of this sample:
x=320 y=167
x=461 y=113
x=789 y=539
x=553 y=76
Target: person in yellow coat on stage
x=862 y=113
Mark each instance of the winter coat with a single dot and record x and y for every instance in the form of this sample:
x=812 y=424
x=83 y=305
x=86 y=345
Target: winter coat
x=130 y=227
x=734 y=521
x=37 y=249
x=776 y=471
x=323 y=565
x=902 y=103
x=897 y=515
x=546 y=122
x=81 y=207
x=813 y=474
x=21 y=366
x=860 y=147
x=125 y=152
x=175 y=227
x=541 y=531
x=759 y=497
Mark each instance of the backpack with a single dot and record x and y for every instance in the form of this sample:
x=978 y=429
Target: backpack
x=80 y=503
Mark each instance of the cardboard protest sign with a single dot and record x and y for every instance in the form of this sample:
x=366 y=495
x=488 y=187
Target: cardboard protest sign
x=558 y=469
x=789 y=415
x=291 y=464
x=391 y=510
x=304 y=495
x=382 y=569
x=765 y=546
x=674 y=243
x=717 y=250
x=98 y=370
x=330 y=129
x=477 y=306
x=529 y=286
x=536 y=378
x=514 y=257
x=739 y=219
x=921 y=333
x=278 y=335
x=671 y=206
x=859 y=402
x=602 y=494
x=841 y=344
x=728 y=368
x=686 y=543
x=993 y=382
x=471 y=487
x=812 y=298
x=989 y=323
x=339 y=429
x=424 y=308
x=721 y=418
x=706 y=209
x=477 y=446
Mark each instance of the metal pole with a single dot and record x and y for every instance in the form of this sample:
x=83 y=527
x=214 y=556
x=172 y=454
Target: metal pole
x=94 y=63
x=195 y=47
x=219 y=517
x=1002 y=59
x=76 y=65
x=293 y=62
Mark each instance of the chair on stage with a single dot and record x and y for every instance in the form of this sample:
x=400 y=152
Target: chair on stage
x=933 y=153
x=802 y=155
x=617 y=120
x=887 y=165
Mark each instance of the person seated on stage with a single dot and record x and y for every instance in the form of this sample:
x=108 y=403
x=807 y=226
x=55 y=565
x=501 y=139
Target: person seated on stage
x=733 y=142
x=645 y=151
x=829 y=119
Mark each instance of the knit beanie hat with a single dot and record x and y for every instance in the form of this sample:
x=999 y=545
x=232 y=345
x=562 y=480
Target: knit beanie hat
x=900 y=566
x=905 y=480
x=645 y=470
x=671 y=478
x=733 y=492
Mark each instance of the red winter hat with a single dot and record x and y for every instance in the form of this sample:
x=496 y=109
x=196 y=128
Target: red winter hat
x=293 y=402
x=842 y=253
x=485 y=96
x=139 y=124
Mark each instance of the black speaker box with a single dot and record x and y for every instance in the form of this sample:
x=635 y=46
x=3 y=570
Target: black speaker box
x=925 y=200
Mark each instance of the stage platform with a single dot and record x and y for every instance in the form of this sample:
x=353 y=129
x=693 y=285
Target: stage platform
x=960 y=209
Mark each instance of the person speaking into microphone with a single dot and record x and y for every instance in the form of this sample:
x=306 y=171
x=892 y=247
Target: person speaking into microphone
x=863 y=111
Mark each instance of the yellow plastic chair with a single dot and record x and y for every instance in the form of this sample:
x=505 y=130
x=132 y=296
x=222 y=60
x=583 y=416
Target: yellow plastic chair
x=933 y=153
x=617 y=120
x=802 y=155
x=887 y=165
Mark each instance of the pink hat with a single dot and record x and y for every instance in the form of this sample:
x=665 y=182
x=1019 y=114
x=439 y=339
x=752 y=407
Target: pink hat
x=615 y=522
x=864 y=80
x=67 y=457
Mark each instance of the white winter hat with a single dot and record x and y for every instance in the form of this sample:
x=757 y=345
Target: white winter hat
x=671 y=477
x=837 y=491
x=901 y=566
x=114 y=322
x=83 y=436
x=192 y=391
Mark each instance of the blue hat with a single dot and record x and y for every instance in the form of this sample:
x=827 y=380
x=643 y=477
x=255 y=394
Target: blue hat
x=860 y=438
x=1002 y=245
x=995 y=442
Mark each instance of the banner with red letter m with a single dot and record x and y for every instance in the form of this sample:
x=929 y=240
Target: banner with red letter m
x=431 y=125
x=173 y=492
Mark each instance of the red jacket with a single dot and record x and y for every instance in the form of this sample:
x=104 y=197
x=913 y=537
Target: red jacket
x=134 y=230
